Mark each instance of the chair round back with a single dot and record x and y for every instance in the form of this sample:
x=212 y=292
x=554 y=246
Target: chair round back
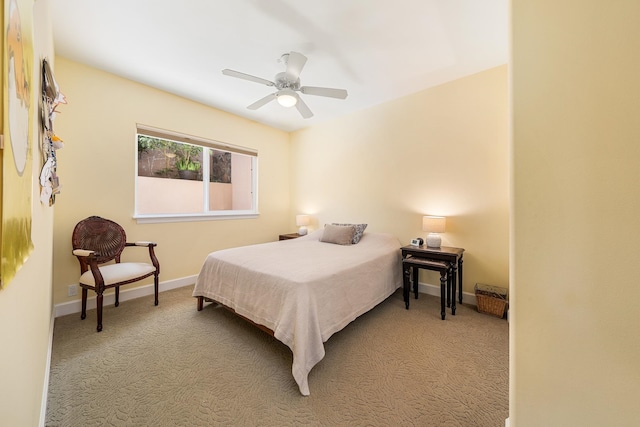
x=102 y=235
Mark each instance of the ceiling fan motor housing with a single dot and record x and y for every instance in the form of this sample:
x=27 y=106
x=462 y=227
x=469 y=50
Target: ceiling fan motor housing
x=282 y=82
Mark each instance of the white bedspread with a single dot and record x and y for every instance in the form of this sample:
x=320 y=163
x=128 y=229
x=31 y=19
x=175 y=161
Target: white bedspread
x=303 y=289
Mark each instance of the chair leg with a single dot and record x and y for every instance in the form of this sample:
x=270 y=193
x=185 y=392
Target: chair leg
x=155 y=287
x=117 y=296
x=99 y=311
x=83 y=315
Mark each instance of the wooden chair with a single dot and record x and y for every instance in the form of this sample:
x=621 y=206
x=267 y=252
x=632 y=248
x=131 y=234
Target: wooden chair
x=97 y=241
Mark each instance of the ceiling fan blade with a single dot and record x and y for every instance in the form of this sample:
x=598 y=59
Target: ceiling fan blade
x=259 y=103
x=303 y=108
x=295 y=63
x=324 y=91
x=249 y=77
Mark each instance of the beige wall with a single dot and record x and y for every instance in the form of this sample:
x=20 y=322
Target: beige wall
x=26 y=303
x=97 y=170
x=442 y=151
x=575 y=348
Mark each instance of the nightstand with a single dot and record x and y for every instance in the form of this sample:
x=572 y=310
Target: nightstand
x=445 y=260
x=288 y=236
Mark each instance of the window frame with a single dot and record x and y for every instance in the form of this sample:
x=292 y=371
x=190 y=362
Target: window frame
x=205 y=215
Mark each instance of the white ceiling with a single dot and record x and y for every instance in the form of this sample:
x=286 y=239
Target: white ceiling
x=377 y=50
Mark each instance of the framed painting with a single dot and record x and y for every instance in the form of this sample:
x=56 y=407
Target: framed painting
x=17 y=128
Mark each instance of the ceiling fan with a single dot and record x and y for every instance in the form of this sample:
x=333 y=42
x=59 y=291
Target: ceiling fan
x=288 y=84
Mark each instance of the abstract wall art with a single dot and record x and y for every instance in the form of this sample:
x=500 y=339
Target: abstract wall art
x=17 y=158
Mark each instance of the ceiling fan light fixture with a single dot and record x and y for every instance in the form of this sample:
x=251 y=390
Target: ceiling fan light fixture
x=287 y=98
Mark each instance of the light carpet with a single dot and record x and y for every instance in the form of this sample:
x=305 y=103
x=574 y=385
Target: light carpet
x=171 y=365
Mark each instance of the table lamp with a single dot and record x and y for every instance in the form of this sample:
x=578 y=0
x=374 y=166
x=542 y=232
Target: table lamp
x=302 y=221
x=434 y=225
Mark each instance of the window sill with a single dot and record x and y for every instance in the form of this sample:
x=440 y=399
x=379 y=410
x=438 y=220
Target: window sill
x=162 y=218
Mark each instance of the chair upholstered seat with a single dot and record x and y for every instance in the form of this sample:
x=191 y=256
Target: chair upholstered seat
x=117 y=273
x=98 y=244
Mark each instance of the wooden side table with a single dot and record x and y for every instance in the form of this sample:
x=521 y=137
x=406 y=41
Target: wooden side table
x=288 y=236
x=445 y=260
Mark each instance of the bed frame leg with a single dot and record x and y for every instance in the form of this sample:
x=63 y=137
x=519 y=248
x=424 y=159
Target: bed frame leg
x=200 y=303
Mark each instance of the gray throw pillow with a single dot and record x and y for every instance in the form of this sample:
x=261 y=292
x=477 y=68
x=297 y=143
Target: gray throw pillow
x=338 y=234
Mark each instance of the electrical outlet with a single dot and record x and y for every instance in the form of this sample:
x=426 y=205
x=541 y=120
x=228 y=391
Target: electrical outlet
x=72 y=290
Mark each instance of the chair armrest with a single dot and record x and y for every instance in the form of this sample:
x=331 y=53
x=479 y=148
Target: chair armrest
x=152 y=255
x=83 y=252
x=88 y=261
x=142 y=243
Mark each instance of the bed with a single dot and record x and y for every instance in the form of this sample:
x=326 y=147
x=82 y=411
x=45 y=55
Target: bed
x=303 y=290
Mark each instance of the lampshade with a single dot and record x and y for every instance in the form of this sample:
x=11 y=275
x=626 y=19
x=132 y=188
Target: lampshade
x=302 y=221
x=287 y=98
x=434 y=225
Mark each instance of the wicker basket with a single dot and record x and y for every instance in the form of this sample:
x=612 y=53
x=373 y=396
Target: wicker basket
x=491 y=299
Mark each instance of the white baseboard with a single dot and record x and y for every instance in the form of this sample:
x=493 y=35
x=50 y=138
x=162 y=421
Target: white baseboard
x=47 y=373
x=429 y=289
x=75 y=306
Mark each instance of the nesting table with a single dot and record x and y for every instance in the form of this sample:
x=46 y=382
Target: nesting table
x=446 y=260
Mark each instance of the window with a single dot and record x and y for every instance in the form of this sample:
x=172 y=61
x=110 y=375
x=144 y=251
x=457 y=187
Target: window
x=181 y=177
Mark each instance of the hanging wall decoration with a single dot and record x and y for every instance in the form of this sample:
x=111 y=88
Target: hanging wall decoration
x=51 y=99
x=17 y=160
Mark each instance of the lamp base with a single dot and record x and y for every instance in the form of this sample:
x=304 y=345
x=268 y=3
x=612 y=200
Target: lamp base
x=302 y=231
x=433 y=240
